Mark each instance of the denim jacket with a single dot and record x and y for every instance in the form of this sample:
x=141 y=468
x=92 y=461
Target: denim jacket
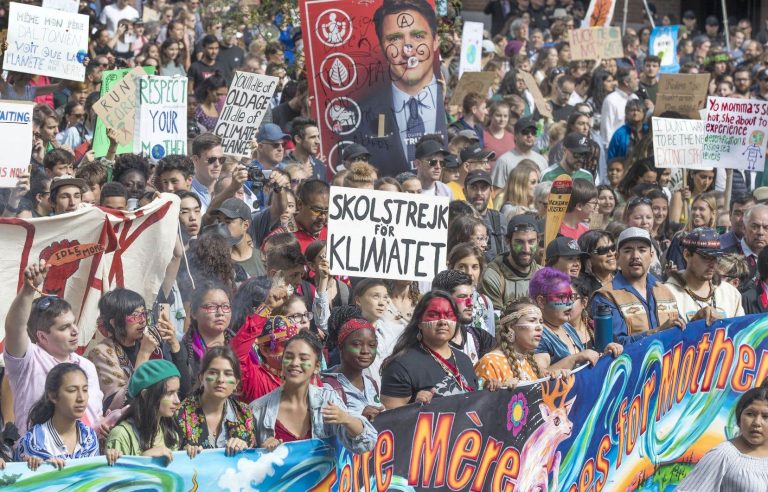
x=265 y=412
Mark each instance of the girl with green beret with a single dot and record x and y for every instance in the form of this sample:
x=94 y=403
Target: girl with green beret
x=148 y=427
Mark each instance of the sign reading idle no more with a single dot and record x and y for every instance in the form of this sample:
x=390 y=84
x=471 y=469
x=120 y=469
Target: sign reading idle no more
x=386 y=234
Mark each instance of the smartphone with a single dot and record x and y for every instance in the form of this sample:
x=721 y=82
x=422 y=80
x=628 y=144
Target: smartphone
x=159 y=310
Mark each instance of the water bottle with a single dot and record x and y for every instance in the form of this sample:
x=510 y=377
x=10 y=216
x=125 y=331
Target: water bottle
x=603 y=328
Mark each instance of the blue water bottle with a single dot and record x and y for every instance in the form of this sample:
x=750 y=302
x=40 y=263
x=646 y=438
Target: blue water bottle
x=603 y=328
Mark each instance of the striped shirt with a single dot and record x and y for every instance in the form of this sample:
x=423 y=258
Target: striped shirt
x=726 y=469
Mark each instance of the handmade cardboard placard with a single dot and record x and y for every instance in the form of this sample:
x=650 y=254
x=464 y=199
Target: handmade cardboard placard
x=479 y=82
x=557 y=204
x=595 y=43
x=684 y=93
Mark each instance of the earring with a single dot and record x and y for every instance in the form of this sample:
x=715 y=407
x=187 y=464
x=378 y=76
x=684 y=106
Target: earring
x=418 y=336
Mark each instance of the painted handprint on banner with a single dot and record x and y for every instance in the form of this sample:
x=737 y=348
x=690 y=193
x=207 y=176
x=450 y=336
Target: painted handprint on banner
x=61 y=270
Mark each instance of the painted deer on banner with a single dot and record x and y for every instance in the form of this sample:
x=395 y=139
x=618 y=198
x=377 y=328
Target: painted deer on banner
x=539 y=456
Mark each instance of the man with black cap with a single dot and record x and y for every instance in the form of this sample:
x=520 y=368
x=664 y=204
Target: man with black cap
x=699 y=292
x=508 y=275
x=430 y=156
x=477 y=189
x=564 y=254
x=471 y=158
x=66 y=193
x=525 y=138
x=236 y=215
x=689 y=20
x=712 y=29
x=353 y=153
x=577 y=152
x=640 y=304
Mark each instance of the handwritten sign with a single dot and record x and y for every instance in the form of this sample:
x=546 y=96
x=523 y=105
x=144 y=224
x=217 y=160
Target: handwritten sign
x=387 y=234
x=117 y=108
x=46 y=42
x=684 y=93
x=538 y=98
x=595 y=43
x=65 y=5
x=471 y=48
x=735 y=133
x=678 y=143
x=15 y=139
x=479 y=82
x=557 y=204
x=247 y=101
x=161 y=117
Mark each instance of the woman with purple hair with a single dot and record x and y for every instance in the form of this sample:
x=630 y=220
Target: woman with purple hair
x=561 y=346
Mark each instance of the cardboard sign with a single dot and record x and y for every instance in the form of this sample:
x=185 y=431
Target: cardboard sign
x=117 y=108
x=479 y=82
x=471 y=48
x=684 y=93
x=161 y=117
x=64 y=5
x=387 y=234
x=663 y=43
x=538 y=98
x=16 y=140
x=248 y=99
x=557 y=204
x=46 y=42
x=678 y=143
x=735 y=133
x=595 y=43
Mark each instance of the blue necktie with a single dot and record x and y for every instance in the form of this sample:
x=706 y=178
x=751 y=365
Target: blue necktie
x=414 y=128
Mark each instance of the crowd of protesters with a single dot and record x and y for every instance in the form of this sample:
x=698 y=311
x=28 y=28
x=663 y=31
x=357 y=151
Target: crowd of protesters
x=252 y=342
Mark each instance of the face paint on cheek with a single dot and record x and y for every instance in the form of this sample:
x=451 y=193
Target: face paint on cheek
x=306 y=365
x=210 y=379
x=517 y=248
x=560 y=306
x=352 y=350
x=231 y=381
x=285 y=361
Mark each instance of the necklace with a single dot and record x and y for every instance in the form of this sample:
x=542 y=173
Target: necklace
x=452 y=371
x=700 y=301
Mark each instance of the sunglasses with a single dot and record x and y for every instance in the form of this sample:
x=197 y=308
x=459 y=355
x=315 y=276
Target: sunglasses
x=530 y=132
x=604 y=250
x=212 y=308
x=45 y=302
x=435 y=162
x=317 y=211
x=639 y=200
x=275 y=144
x=212 y=160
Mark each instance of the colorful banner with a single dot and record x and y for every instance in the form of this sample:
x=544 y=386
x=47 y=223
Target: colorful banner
x=375 y=78
x=16 y=140
x=735 y=133
x=663 y=43
x=161 y=117
x=639 y=422
x=471 y=48
x=46 y=42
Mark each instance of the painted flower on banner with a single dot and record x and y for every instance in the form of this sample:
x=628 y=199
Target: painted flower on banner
x=517 y=413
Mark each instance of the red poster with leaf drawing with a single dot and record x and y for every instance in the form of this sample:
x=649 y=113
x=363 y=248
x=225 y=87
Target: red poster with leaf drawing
x=375 y=77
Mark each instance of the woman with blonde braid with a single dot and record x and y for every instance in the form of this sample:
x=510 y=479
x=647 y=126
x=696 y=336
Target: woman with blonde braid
x=518 y=334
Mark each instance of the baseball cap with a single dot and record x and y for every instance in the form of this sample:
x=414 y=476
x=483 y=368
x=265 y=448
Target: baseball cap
x=705 y=241
x=712 y=21
x=67 y=180
x=469 y=134
x=451 y=162
x=353 y=150
x=761 y=194
x=474 y=151
x=429 y=148
x=234 y=208
x=524 y=124
x=522 y=222
x=477 y=176
x=689 y=14
x=559 y=13
x=563 y=247
x=271 y=133
x=577 y=143
x=634 y=234
x=488 y=46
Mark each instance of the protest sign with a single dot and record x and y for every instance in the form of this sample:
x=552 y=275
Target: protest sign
x=107 y=247
x=557 y=204
x=683 y=93
x=678 y=143
x=46 y=42
x=614 y=426
x=471 y=48
x=599 y=13
x=735 y=133
x=357 y=81
x=595 y=43
x=65 y=5
x=117 y=108
x=15 y=139
x=110 y=78
x=538 y=98
x=248 y=99
x=479 y=82
x=386 y=234
x=663 y=43
x=161 y=117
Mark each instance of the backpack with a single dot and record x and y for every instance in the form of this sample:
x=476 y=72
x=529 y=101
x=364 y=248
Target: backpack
x=336 y=385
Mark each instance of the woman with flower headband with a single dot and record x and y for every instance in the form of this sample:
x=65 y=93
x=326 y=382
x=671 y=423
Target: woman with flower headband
x=212 y=417
x=423 y=363
x=129 y=343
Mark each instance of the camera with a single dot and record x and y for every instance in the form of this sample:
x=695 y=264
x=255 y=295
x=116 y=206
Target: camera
x=257 y=178
x=641 y=94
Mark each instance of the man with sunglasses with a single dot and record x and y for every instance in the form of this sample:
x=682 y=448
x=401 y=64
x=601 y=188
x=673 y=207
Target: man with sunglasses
x=312 y=212
x=699 y=294
x=353 y=153
x=578 y=151
x=208 y=158
x=40 y=334
x=525 y=138
x=640 y=304
x=430 y=156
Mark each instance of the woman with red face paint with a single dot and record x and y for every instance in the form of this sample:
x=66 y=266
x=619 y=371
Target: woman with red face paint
x=561 y=345
x=423 y=363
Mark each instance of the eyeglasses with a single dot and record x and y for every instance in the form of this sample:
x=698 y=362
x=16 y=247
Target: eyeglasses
x=275 y=144
x=562 y=297
x=530 y=132
x=298 y=317
x=317 y=211
x=480 y=239
x=136 y=317
x=212 y=308
x=212 y=160
x=435 y=162
x=604 y=250
x=593 y=203
x=639 y=200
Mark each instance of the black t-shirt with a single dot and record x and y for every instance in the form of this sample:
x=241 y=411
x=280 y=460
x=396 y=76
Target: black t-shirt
x=416 y=370
x=230 y=58
x=199 y=71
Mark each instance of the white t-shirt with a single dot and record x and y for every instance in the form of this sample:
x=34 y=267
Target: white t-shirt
x=111 y=15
